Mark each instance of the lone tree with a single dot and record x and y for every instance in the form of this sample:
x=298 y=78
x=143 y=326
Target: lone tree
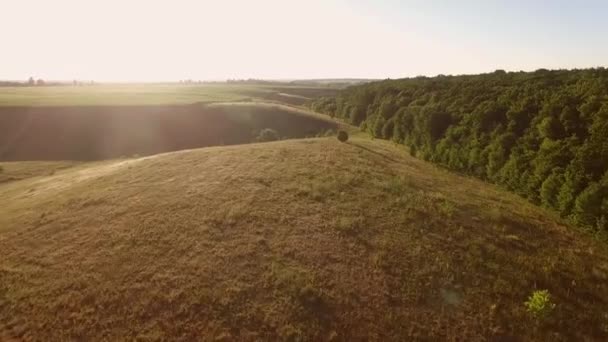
x=342 y=136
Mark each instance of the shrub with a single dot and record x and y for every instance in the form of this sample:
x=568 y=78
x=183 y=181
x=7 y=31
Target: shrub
x=342 y=136
x=267 y=134
x=539 y=303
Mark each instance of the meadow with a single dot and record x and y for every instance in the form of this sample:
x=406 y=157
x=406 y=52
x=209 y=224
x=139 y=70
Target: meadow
x=307 y=239
x=293 y=240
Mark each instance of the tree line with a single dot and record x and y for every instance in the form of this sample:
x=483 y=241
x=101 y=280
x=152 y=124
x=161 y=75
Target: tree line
x=31 y=82
x=542 y=134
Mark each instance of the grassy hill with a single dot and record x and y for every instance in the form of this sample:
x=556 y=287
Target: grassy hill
x=293 y=240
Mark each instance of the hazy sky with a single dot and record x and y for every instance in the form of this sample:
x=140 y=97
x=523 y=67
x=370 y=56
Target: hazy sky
x=148 y=40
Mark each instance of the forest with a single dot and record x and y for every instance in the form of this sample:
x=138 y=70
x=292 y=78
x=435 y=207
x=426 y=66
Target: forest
x=541 y=134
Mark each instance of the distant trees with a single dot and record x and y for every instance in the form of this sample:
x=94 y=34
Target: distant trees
x=543 y=135
x=10 y=84
x=33 y=82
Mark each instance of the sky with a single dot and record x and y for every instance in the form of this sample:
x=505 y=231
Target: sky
x=170 y=40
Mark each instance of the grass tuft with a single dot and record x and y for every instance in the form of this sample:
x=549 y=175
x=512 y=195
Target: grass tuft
x=539 y=304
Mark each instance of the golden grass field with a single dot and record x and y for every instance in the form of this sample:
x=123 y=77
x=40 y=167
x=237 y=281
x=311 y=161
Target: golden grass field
x=301 y=240
x=159 y=94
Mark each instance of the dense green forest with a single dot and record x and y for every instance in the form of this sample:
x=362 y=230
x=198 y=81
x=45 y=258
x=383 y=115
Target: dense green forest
x=542 y=134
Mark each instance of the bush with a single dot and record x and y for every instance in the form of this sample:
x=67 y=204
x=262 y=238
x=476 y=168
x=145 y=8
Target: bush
x=539 y=303
x=342 y=136
x=267 y=134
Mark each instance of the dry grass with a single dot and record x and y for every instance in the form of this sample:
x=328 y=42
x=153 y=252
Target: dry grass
x=293 y=240
x=10 y=171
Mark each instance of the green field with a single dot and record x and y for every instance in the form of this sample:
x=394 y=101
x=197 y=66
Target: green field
x=157 y=94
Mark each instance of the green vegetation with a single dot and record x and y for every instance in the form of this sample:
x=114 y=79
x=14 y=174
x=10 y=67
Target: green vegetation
x=543 y=135
x=298 y=239
x=539 y=304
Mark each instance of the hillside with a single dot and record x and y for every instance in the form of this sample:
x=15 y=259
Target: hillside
x=542 y=134
x=293 y=240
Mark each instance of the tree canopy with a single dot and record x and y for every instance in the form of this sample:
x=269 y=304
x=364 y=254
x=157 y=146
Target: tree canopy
x=542 y=134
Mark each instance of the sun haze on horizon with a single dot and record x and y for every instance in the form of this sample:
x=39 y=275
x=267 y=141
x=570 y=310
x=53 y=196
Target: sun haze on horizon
x=136 y=40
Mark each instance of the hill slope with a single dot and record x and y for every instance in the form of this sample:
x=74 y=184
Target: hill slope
x=302 y=239
x=542 y=134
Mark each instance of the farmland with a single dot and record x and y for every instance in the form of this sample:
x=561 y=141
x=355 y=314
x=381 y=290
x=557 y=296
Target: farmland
x=105 y=132
x=158 y=94
x=96 y=122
